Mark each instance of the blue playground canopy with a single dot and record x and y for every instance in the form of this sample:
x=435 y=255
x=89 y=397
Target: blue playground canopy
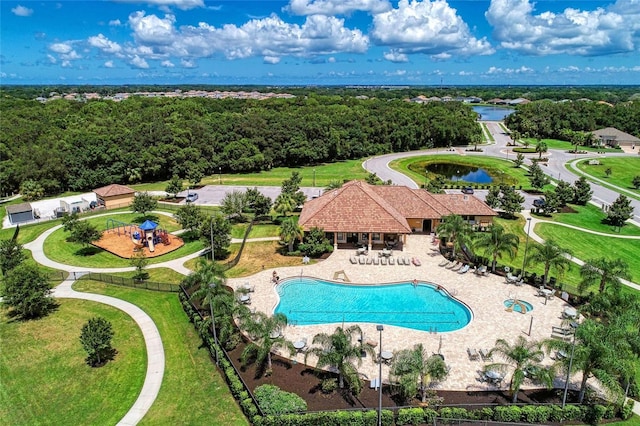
x=148 y=225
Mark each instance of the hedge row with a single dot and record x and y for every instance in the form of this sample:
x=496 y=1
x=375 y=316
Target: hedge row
x=535 y=414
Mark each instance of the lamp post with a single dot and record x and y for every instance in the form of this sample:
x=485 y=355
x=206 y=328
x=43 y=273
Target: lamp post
x=526 y=246
x=219 y=175
x=379 y=327
x=211 y=236
x=314 y=177
x=213 y=321
x=566 y=382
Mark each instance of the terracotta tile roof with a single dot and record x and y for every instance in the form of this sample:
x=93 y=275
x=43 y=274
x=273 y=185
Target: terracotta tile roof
x=355 y=207
x=410 y=203
x=464 y=204
x=113 y=190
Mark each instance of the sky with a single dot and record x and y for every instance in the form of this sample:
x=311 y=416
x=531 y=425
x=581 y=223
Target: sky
x=320 y=42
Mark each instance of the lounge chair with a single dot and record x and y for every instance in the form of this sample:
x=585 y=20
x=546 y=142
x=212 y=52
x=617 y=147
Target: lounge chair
x=416 y=261
x=376 y=261
x=444 y=262
x=392 y=261
x=480 y=270
x=407 y=262
x=400 y=261
x=383 y=261
x=473 y=354
x=353 y=260
x=368 y=260
x=457 y=267
x=452 y=265
x=485 y=354
x=464 y=269
x=511 y=278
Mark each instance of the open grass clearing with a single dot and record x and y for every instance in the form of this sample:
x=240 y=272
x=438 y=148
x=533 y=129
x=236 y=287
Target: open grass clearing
x=156 y=275
x=46 y=380
x=192 y=392
x=587 y=246
x=590 y=217
x=623 y=170
x=257 y=231
x=502 y=171
x=567 y=146
x=324 y=174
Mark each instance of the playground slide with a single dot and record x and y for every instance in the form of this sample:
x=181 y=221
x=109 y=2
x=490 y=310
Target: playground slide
x=137 y=242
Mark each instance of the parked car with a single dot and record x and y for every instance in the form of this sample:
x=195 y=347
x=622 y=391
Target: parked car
x=467 y=190
x=538 y=203
x=191 y=197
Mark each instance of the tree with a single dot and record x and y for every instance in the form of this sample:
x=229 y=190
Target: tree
x=519 y=161
x=194 y=175
x=541 y=148
x=511 y=201
x=261 y=204
x=139 y=261
x=233 y=204
x=84 y=233
x=284 y=204
x=496 y=242
x=190 y=217
x=413 y=369
x=521 y=356
x=262 y=329
x=551 y=203
x=315 y=243
x=291 y=187
x=456 y=230
x=564 y=192
x=69 y=221
x=537 y=177
x=493 y=197
x=582 y=191
x=31 y=190
x=334 y=184
x=221 y=233
x=373 y=179
x=290 y=231
x=636 y=182
x=551 y=255
x=96 y=340
x=340 y=351
x=620 y=211
x=604 y=272
x=174 y=186
x=27 y=292
x=11 y=255
x=143 y=203
x=607 y=171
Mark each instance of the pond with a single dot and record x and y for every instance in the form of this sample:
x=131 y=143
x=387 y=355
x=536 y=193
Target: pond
x=489 y=113
x=459 y=172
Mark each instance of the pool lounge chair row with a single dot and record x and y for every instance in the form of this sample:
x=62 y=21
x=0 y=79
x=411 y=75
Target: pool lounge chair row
x=476 y=355
x=370 y=260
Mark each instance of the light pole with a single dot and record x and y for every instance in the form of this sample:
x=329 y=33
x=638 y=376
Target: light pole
x=211 y=236
x=526 y=246
x=213 y=321
x=314 y=177
x=379 y=327
x=566 y=383
x=219 y=175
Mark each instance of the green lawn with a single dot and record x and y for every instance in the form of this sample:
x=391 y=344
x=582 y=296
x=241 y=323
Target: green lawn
x=45 y=380
x=324 y=174
x=623 y=170
x=157 y=275
x=257 y=231
x=590 y=217
x=501 y=170
x=193 y=392
x=567 y=146
x=587 y=246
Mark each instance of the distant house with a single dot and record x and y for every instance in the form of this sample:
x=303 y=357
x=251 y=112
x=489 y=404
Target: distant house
x=359 y=213
x=114 y=196
x=20 y=213
x=614 y=137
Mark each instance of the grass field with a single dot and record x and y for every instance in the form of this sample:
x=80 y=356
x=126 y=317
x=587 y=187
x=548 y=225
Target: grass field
x=324 y=174
x=45 y=379
x=193 y=392
x=623 y=170
x=158 y=275
x=590 y=217
x=567 y=146
x=257 y=231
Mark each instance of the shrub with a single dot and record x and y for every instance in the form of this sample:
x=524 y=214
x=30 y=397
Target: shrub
x=507 y=414
x=595 y=413
x=273 y=400
x=572 y=412
x=430 y=415
x=627 y=410
x=329 y=385
x=485 y=413
x=410 y=416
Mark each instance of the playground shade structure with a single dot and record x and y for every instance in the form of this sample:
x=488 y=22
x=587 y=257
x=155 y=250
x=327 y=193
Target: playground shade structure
x=125 y=240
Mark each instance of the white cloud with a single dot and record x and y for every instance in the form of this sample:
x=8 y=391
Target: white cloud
x=430 y=27
x=271 y=60
x=109 y=64
x=22 y=11
x=188 y=63
x=61 y=47
x=115 y=23
x=521 y=70
x=104 y=44
x=331 y=60
x=336 y=7
x=52 y=59
x=180 y=4
x=167 y=64
x=575 y=32
x=268 y=37
x=395 y=56
x=139 y=62
x=396 y=73
x=65 y=51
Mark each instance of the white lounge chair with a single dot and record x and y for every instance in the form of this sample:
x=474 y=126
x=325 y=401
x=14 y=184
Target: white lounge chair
x=392 y=261
x=464 y=269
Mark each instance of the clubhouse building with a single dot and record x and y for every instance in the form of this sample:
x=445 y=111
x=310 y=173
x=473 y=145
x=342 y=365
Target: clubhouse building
x=381 y=216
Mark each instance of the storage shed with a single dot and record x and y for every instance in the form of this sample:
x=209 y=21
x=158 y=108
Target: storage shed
x=20 y=213
x=114 y=196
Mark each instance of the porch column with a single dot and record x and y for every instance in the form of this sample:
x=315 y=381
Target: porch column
x=335 y=241
x=369 y=247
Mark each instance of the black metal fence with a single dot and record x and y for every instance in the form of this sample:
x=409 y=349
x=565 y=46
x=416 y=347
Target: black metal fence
x=130 y=282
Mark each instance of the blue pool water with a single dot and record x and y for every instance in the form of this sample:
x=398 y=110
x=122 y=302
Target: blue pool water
x=307 y=301
x=518 y=306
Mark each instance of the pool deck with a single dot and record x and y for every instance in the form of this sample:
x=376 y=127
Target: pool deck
x=484 y=295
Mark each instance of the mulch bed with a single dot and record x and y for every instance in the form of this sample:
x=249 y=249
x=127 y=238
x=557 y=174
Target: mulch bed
x=122 y=246
x=305 y=381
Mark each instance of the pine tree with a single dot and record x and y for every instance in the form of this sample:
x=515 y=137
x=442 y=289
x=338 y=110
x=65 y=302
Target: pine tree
x=582 y=191
x=620 y=211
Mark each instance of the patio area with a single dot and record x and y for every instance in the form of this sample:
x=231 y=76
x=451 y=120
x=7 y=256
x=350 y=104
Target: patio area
x=484 y=295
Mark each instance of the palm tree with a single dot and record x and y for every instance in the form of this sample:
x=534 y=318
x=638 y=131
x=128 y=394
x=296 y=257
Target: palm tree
x=604 y=272
x=551 y=255
x=284 y=204
x=496 y=242
x=339 y=350
x=290 y=231
x=456 y=230
x=541 y=148
x=413 y=368
x=266 y=335
x=522 y=356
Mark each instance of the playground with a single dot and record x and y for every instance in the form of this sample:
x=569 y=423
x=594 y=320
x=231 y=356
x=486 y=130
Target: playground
x=126 y=239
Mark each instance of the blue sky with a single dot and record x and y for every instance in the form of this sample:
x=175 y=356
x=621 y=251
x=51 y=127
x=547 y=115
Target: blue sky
x=323 y=42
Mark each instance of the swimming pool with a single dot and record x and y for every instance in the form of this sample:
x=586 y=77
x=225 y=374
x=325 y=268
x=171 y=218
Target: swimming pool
x=308 y=301
x=519 y=306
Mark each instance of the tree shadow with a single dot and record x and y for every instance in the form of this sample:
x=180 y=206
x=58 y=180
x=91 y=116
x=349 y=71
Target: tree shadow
x=88 y=251
x=107 y=356
x=142 y=218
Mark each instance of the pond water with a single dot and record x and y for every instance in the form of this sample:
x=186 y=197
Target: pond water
x=457 y=172
x=488 y=113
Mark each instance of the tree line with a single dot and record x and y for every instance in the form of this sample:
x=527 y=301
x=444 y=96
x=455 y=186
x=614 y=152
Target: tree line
x=68 y=145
